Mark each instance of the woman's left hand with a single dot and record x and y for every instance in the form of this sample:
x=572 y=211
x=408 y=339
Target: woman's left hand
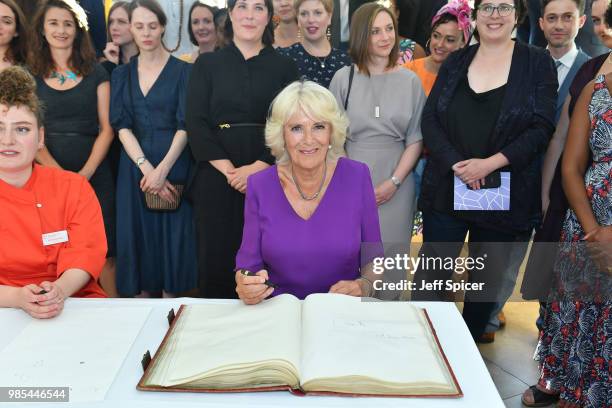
x=350 y=287
x=237 y=178
x=599 y=244
x=473 y=171
x=54 y=295
x=86 y=173
x=153 y=181
x=384 y=192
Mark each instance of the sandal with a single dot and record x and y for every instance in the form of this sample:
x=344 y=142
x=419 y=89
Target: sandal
x=540 y=398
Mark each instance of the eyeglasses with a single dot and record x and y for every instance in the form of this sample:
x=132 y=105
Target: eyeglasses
x=503 y=9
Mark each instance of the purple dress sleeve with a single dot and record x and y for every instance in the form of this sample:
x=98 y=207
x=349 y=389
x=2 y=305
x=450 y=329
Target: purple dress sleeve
x=370 y=225
x=249 y=255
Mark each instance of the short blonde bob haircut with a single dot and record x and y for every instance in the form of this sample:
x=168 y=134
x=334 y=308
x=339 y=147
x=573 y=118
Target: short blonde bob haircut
x=317 y=103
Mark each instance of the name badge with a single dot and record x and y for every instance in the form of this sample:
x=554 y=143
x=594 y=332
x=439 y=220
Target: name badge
x=57 y=237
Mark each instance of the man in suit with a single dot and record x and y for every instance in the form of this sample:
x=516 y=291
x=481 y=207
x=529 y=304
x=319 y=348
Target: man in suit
x=341 y=19
x=560 y=22
x=531 y=32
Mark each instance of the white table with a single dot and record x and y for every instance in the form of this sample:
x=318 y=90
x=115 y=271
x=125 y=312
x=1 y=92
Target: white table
x=464 y=358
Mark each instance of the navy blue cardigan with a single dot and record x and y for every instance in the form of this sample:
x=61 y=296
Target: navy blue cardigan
x=522 y=132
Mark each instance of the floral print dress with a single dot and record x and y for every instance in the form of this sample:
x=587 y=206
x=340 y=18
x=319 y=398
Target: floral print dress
x=575 y=348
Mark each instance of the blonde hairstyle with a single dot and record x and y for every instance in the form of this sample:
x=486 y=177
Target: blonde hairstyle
x=316 y=102
x=328 y=5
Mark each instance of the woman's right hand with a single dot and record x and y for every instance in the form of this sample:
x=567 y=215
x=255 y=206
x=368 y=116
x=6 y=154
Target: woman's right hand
x=29 y=300
x=251 y=289
x=111 y=52
x=153 y=181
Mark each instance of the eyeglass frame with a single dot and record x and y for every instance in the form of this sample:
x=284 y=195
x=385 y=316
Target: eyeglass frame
x=496 y=8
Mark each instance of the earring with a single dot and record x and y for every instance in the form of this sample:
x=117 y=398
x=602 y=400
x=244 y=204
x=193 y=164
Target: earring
x=299 y=35
x=329 y=147
x=328 y=33
x=427 y=45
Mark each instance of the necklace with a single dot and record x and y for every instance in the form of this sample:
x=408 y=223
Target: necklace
x=63 y=78
x=322 y=61
x=315 y=195
x=376 y=95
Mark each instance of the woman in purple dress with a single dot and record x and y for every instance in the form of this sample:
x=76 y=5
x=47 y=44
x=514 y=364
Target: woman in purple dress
x=307 y=217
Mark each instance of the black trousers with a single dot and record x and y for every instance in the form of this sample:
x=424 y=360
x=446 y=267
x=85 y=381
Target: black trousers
x=443 y=237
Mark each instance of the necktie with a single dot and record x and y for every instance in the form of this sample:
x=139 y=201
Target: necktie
x=558 y=64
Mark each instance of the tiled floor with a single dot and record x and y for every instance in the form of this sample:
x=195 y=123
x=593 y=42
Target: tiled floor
x=509 y=358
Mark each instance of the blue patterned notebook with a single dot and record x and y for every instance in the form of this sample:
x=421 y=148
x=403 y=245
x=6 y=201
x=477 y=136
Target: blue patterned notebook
x=487 y=199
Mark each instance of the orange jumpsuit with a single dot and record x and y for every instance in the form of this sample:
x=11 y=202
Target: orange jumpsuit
x=52 y=201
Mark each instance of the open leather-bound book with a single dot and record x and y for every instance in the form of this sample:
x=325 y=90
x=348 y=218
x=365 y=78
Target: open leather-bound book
x=327 y=343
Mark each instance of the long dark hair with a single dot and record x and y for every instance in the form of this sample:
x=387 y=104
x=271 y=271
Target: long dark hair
x=268 y=34
x=83 y=58
x=17 y=52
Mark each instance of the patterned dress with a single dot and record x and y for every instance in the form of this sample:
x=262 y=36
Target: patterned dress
x=406 y=51
x=575 y=350
x=318 y=69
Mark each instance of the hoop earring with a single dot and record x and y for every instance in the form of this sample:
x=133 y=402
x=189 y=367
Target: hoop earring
x=328 y=33
x=427 y=45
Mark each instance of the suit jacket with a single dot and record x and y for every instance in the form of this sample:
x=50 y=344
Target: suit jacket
x=581 y=58
x=522 y=132
x=335 y=24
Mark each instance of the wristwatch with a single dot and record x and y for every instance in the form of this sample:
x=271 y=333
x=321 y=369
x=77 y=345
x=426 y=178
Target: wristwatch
x=396 y=181
x=140 y=160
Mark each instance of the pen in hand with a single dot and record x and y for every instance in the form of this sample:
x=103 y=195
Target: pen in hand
x=246 y=272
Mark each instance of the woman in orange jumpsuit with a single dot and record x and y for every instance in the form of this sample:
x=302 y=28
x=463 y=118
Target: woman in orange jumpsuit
x=52 y=241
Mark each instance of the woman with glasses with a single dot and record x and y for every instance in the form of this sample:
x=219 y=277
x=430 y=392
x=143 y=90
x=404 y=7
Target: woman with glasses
x=489 y=117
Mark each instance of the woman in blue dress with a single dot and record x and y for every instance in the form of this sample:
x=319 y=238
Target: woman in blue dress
x=155 y=250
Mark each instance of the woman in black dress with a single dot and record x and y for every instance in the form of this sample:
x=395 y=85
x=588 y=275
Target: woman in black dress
x=227 y=101
x=76 y=93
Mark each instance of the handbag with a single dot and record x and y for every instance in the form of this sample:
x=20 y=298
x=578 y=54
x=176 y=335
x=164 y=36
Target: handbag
x=154 y=202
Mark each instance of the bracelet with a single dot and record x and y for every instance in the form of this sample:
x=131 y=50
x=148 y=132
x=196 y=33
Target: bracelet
x=140 y=160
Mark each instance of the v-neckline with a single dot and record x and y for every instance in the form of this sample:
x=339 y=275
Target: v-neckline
x=156 y=79
x=323 y=199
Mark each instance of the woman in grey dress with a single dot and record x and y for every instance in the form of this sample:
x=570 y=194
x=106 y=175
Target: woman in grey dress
x=384 y=103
